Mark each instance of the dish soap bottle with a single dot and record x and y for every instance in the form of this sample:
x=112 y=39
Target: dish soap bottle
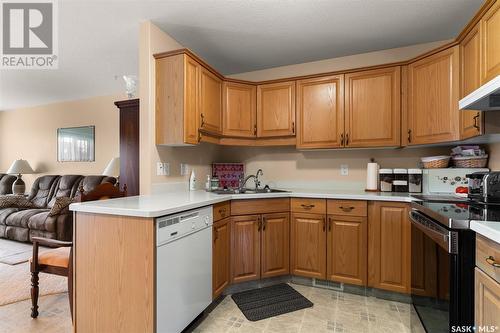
x=192 y=181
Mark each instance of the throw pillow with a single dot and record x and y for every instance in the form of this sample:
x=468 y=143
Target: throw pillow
x=60 y=206
x=15 y=201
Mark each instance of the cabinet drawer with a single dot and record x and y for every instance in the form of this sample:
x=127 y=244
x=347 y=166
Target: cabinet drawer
x=222 y=210
x=259 y=206
x=488 y=253
x=305 y=205
x=346 y=207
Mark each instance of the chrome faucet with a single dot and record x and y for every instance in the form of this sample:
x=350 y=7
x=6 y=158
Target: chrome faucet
x=255 y=178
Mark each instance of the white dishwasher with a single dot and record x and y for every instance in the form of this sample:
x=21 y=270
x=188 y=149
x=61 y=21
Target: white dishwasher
x=183 y=268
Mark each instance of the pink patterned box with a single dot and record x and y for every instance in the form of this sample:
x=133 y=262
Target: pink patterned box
x=229 y=174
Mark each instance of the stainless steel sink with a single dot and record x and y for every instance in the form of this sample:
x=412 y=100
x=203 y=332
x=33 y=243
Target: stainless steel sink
x=249 y=191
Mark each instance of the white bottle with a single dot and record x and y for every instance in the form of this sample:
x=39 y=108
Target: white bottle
x=192 y=181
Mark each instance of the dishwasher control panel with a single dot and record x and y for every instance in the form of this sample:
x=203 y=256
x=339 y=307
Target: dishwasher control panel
x=171 y=227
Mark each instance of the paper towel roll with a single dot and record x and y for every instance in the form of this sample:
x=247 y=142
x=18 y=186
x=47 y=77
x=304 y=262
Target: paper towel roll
x=372 y=176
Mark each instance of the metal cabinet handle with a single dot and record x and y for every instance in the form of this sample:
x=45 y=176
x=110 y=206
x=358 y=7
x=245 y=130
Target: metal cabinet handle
x=202 y=120
x=324 y=224
x=199 y=137
x=409 y=136
x=216 y=234
x=329 y=224
x=491 y=261
x=255 y=130
x=293 y=127
x=222 y=212
x=476 y=125
x=264 y=223
x=259 y=224
x=311 y=206
x=347 y=139
x=342 y=139
x=347 y=209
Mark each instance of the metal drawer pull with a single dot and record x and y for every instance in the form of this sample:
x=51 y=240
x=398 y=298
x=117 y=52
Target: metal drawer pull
x=324 y=224
x=264 y=223
x=222 y=211
x=329 y=224
x=347 y=209
x=490 y=260
x=216 y=234
x=307 y=206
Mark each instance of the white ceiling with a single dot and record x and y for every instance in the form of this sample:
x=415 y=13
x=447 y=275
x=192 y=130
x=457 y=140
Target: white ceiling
x=98 y=39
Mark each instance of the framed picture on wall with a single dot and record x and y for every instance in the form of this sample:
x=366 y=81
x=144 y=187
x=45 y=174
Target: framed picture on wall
x=76 y=144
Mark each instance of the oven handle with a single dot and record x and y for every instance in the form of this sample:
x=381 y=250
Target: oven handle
x=444 y=238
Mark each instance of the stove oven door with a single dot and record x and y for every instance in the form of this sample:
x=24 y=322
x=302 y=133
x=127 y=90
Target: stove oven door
x=431 y=264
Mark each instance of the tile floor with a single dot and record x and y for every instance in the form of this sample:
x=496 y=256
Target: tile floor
x=332 y=312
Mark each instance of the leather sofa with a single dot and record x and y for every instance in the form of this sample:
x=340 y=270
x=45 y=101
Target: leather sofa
x=6 y=182
x=23 y=224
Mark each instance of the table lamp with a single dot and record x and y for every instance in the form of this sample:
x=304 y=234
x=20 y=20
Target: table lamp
x=18 y=168
x=113 y=169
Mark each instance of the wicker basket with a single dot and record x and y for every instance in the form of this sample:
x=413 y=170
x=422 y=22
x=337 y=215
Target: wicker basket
x=436 y=162
x=471 y=162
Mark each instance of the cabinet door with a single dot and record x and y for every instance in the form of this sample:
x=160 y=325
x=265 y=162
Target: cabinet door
x=308 y=245
x=487 y=303
x=490 y=43
x=423 y=265
x=373 y=108
x=191 y=81
x=389 y=246
x=221 y=255
x=239 y=105
x=470 y=121
x=245 y=248
x=275 y=245
x=276 y=109
x=346 y=257
x=320 y=112
x=433 y=90
x=210 y=102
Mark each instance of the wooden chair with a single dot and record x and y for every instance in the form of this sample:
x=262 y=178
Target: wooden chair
x=59 y=260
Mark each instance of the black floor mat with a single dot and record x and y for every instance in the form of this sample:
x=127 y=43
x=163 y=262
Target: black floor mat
x=270 y=301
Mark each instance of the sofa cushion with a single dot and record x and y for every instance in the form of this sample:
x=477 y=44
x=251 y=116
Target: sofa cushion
x=6 y=182
x=21 y=218
x=5 y=212
x=17 y=233
x=60 y=206
x=42 y=190
x=58 y=227
x=15 y=201
x=67 y=186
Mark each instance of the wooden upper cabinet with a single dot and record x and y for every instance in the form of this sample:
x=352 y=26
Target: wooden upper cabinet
x=373 y=108
x=433 y=94
x=210 y=102
x=239 y=109
x=308 y=245
x=176 y=106
x=487 y=300
x=470 y=80
x=490 y=43
x=275 y=249
x=389 y=237
x=245 y=248
x=221 y=274
x=276 y=109
x=347 y=249
x=320 y=112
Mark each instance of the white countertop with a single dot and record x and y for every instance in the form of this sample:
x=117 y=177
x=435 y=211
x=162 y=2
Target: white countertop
x=173 y=202
x=489 y=230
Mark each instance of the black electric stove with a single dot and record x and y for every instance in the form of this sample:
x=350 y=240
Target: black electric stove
x=443 y=259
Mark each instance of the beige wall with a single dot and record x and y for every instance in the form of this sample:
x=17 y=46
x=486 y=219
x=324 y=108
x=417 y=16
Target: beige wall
x=30 y=133
x=341 y=63
x=153 y=40
x=494 y=152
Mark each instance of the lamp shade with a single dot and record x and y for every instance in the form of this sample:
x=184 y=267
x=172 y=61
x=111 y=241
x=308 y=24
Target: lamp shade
x=113 y=168
x=20 y=167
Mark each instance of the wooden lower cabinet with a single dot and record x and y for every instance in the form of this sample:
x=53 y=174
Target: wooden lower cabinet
x=245 y=248
x=487 y=300
x=389 y=239
x=308 y=245
x=346 y=257
x=221 y=249
x=275 y=245
x=423 y=265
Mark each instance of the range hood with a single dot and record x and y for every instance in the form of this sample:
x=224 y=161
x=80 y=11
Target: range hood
x=484 y=98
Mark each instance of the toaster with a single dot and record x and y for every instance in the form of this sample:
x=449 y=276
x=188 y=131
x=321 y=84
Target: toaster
x=484 y=187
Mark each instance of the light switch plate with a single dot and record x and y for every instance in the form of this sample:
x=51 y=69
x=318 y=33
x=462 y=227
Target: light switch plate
x=159 y=169
x=184 y=169
x=344 y=170
x=166 y=169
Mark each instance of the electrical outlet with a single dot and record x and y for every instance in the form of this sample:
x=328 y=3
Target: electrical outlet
x=166 y=169
x=344 y=170
x=184 y=169
x=160 y=169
